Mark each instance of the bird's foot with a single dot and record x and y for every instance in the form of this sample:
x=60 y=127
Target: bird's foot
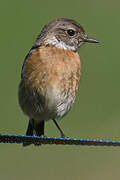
x=63 y=135
x=38 y=144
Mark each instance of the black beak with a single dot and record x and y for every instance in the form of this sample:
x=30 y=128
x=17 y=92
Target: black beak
x=89 y=40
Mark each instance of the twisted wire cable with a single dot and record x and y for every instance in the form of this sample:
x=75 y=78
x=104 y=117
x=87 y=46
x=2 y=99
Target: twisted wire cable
x=8 y=138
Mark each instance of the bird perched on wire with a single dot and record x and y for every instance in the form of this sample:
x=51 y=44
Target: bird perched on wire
x=51 y=73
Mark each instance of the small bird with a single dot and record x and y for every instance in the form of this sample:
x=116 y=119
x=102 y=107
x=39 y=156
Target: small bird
x=51 y=73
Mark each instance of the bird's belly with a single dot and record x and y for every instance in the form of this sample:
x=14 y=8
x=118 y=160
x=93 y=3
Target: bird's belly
x=64 y=106
x=53 y=105
x=59 y=103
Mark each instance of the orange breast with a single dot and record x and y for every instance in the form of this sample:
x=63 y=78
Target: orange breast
x=50 y=67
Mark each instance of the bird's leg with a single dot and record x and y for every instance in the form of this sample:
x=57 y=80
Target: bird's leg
x=61 y=132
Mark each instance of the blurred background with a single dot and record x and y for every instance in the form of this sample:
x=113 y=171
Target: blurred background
x=96 y=112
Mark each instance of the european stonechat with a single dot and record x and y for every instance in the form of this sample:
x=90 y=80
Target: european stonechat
x=51 y=73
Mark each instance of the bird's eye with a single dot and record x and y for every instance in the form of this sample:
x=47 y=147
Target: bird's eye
x=71 y=32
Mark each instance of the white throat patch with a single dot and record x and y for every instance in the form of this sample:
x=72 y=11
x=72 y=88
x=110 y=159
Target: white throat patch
x=59 y=44
x=62 y=45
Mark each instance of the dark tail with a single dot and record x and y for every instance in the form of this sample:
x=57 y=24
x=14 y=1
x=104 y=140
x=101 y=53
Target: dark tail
x=34 y=129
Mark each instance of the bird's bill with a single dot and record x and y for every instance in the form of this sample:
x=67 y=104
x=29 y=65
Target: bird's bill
x=89 y=40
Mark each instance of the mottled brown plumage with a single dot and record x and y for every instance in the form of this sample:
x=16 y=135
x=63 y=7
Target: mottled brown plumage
x=51 y=74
